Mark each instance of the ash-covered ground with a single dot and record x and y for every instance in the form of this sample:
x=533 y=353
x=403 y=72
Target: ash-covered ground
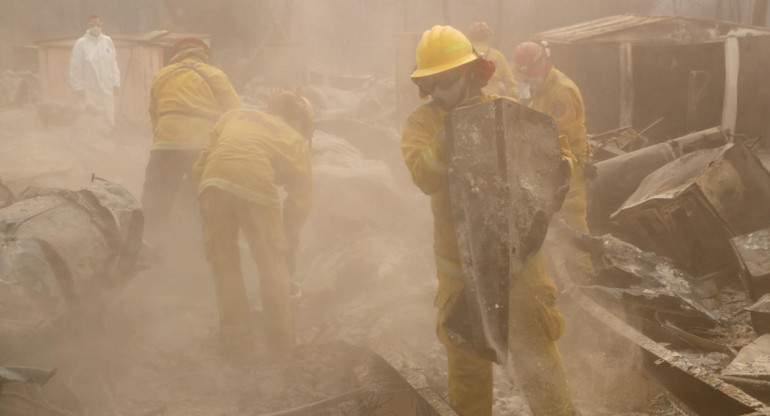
x=365 y=267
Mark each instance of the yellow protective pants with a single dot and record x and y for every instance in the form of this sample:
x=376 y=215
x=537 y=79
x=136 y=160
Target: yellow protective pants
x=535 y=324
x=223 y=215
x=573 y=212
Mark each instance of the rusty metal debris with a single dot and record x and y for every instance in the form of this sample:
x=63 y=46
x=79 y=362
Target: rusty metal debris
x=504 y=171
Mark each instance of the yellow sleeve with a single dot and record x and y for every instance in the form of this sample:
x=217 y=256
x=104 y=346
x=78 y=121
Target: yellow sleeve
x=566 y=153
x=298 y=183
x=423 y=152
x=224 y=92
x=567 y=110
x=214 y=136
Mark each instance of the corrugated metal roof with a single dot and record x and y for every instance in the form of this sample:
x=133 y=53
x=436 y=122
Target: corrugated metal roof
x=598 y=27
x=638 y=28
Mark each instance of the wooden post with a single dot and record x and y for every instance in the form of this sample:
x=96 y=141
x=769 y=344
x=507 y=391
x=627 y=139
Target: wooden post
x=626 y=85
x=730 y=103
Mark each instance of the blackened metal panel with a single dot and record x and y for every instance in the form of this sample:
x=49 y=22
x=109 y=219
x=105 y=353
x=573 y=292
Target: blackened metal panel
x=504 y=170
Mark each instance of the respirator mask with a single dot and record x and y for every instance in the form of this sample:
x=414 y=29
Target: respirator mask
x=450 y=96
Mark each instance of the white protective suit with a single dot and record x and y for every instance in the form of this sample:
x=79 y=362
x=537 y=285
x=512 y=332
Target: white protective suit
x=94 y=70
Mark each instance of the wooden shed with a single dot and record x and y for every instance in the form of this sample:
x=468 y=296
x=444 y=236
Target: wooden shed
x=139 y=58
x=691 y=74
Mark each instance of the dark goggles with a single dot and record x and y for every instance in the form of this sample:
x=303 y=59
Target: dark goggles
x=443 y=79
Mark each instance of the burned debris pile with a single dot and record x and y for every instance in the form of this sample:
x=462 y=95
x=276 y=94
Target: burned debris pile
x=685 y=257
x=61 y=250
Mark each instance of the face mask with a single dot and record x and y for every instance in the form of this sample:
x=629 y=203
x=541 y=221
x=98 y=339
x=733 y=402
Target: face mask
x=450 y=97
x=95 y=30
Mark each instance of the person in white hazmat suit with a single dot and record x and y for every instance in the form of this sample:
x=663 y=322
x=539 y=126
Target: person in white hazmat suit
x=94 y=72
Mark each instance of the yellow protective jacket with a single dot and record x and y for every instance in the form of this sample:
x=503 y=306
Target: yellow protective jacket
x=503 y=74
x=425 y=157
x=251 y=154
x=560 y=98
x=186 y=98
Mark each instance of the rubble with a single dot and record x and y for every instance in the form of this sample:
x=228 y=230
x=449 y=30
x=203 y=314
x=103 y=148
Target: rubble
x=618 y=177
x=615 y=142
x=752 y=252
x=684 y=375
x=61 y=248
x=643 y=278
x=690 y=208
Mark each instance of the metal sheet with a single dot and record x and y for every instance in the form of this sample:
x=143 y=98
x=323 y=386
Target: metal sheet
x=649 y=29
x=752 y=252
x=504 y=170
x=753 y=360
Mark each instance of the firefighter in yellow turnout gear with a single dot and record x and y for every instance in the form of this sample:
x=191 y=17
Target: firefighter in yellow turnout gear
x=186 y=98
x=451 y=73
x=250 y=155
x=553 y=93
x=502 y=82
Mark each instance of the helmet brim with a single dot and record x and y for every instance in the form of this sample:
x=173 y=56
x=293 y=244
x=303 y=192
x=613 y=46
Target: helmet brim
x=426 y=72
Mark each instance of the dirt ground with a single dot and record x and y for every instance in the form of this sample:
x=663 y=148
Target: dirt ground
x=365 y=267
